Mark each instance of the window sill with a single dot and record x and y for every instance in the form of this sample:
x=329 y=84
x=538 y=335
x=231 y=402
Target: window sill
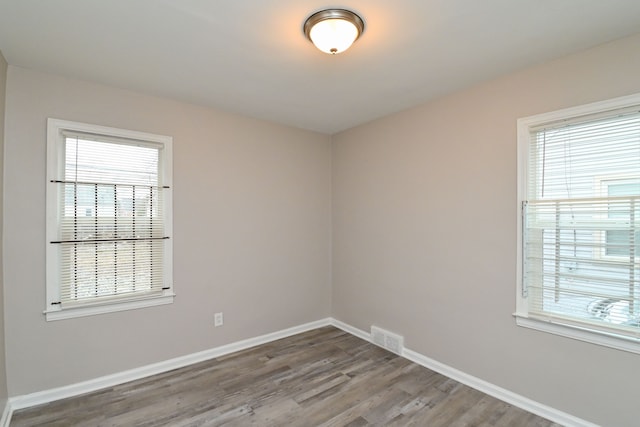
x=581 y=333
x=91 y=310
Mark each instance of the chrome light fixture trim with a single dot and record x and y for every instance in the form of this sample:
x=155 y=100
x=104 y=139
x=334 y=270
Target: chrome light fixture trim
x=338 y=15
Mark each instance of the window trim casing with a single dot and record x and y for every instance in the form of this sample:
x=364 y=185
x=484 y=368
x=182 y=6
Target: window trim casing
x=555 y=325
x=55 y=166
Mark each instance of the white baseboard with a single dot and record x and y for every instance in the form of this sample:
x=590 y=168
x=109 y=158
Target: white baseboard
x=25 y=401
x=498 y=392
x=486 y=387
x=350 y=329
x=6 y=414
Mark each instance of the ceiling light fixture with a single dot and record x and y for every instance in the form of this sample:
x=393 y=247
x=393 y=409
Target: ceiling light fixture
x=333 y=30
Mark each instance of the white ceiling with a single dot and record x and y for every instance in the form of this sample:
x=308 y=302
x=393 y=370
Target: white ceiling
x=251 y=57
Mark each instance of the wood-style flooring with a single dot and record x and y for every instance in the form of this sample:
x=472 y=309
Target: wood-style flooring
x=324 y=377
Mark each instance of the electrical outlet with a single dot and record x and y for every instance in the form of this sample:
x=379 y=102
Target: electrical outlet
x=218 y=319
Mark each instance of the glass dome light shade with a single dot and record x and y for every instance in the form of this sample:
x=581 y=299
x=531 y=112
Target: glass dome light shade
x=333 y=30
x=333 y=35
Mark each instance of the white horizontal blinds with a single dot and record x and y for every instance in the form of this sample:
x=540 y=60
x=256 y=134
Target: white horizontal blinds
x=582 y=221
x=566 y=159
x=111 y=219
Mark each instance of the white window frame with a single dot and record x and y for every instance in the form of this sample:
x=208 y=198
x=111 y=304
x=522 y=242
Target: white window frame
x=559 y=326
x=55 y=167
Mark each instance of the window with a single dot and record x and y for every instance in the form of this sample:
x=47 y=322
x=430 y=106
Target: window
x=579 y=232
x=109 y=225
x=615 y=240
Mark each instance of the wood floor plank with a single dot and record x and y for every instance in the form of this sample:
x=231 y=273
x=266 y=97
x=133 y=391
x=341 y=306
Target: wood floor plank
x=325 y=377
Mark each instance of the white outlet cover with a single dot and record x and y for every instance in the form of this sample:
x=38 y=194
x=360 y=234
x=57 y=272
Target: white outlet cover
x=218 y=319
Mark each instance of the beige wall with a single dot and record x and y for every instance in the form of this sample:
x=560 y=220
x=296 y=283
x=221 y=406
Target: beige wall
x=424 y=235
x=252 y=233
x=3 y=372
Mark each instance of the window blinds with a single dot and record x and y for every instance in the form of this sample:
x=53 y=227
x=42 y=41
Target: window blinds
x=581 y=222
x=111 y=219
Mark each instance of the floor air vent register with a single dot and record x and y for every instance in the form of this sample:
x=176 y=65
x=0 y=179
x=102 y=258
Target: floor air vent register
x=388 y=340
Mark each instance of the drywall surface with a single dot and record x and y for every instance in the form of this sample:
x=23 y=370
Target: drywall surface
x=424 y=235
x=251 y=233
